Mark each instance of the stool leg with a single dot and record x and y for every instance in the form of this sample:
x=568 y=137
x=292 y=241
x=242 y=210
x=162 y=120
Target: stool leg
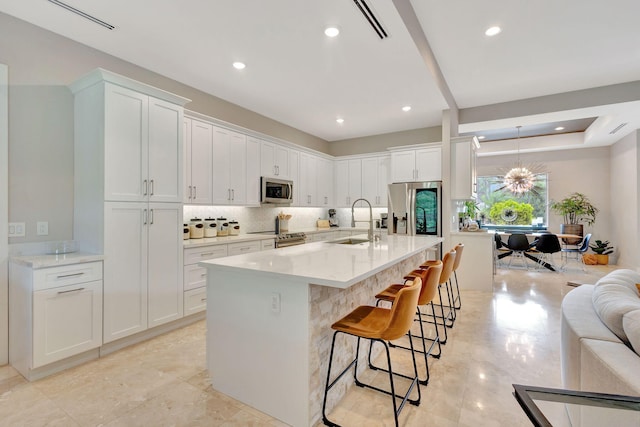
x=330 y=383
x=458 y=299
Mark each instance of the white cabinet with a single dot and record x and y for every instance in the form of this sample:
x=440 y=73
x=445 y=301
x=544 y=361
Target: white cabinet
x=142 y=145
x=307 y=190
x=195 y=277
x=143 y=274
x=463 y=167
x=128 y=182
x=242 y=248
x=274 y=160
x=198 y=148
x=294 y=175
x=324 y=182
x=424 y=164
x=348 y=182
x=375 y=178
x=236 y=168
x=56 y=313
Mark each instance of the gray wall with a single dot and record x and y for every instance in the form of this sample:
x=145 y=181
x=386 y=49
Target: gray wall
x=379 y=143
x=41 y=65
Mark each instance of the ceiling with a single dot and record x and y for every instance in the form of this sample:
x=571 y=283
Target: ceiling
x=296 y=75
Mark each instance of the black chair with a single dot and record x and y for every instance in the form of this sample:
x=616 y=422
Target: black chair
x=547 y=245
x=578 y=251
x=519 y=245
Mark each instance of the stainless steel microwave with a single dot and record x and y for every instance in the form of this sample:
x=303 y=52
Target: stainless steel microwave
x=276 y=190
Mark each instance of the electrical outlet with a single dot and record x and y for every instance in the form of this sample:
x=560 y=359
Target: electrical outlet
x=17 y=229
x=275 y=302
x=42 y=228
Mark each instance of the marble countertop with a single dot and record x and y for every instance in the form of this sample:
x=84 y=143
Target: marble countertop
x=210 y=241
x=326 y=263
x=55 y=260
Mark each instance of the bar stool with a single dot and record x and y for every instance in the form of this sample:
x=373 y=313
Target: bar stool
x=429 y=278
x=381 y=325
x=447 y=267
x=459 y=249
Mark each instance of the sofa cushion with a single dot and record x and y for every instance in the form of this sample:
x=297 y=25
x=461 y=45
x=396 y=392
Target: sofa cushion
x=612 y=302
x=631 y=326
x=623 y=277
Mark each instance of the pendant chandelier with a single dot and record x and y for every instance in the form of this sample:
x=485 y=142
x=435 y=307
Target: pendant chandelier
x=519 y=180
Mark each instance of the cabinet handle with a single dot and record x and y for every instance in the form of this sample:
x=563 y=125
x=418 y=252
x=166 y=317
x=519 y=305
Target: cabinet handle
x=203 y=300
x=71 y=290
x=203 y=275
x=309 y=199
x=189 y=193
x=206 y=254
x=195 y=192
x=151 y=186
x=146 y=188
x=64 y=276
x=144 y=217
x=228 y=194
x=151 y=216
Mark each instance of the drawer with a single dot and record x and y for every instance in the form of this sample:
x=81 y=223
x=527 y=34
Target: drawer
x=195 y=255
x=53 y=277
x=268 y=244
x=195 y=300
x=194 y=276
x=244 y=248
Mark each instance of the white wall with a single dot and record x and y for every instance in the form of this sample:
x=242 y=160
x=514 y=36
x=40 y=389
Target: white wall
x=625 y=203
x=584 y=171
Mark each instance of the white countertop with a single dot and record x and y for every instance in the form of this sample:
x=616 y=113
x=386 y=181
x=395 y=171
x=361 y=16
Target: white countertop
x=45 y=261
x=210 y=241
x=325 y=263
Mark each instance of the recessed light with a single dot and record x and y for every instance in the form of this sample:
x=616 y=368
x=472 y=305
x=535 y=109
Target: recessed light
x=239 y=65
x=406 y=108
x=331 y=31
x=340 y=121
x=492 y=31
x=559 y=128
x=481 y=137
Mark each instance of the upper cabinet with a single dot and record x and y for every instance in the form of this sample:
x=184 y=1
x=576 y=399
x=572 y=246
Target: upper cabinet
x=463 y=167
x=324 y=182
x=348 y=182
x=198 y=148
x=235 y=168
x=423 y=164
x=375 y=178
x=307 y=190
x=274 y=160
x=142 y=147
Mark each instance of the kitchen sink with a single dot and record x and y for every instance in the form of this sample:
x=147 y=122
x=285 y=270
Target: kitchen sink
x=349 y=241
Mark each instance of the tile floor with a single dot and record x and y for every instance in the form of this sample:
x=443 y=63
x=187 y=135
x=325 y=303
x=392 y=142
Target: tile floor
x=510 y=336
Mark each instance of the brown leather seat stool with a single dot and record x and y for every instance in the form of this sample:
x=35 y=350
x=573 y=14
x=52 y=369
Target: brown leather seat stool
x=381 y=325
x=429 y=278
x=457 y=301
x=447 y=319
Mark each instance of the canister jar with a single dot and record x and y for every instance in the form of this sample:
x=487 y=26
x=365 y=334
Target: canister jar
x=234 y=228
x=210 y=227
x=186 y=232
x=196 y=228
x=223 y=227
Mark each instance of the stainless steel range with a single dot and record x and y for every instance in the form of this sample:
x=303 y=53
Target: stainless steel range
x=290 y=239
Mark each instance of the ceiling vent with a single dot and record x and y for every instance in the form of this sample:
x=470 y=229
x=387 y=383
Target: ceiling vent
x=83 y=14
x=617 y=128
x=371 y=18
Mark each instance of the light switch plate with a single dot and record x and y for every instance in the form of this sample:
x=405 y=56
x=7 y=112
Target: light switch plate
x=17 y=229
x=42 y=228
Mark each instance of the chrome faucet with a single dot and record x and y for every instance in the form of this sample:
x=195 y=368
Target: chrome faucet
x=353 y=219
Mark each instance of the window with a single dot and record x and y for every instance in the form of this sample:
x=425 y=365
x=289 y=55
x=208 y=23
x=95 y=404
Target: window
x=499 y=208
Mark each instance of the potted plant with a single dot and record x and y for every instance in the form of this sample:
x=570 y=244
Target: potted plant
x=574 y=209
x=471 y=207
x=602 y=251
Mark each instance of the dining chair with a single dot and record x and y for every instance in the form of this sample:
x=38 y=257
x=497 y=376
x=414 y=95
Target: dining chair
x=577 y=251
x=547 y=245
x=519 y=244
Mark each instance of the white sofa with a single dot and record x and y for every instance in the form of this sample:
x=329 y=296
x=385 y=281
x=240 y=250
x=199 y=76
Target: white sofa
x=600 y=345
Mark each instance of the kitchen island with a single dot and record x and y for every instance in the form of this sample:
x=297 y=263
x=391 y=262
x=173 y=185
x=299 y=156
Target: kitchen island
x=269 y=317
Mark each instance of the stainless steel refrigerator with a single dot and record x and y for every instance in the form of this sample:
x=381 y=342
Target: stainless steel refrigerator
x=415 y=208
